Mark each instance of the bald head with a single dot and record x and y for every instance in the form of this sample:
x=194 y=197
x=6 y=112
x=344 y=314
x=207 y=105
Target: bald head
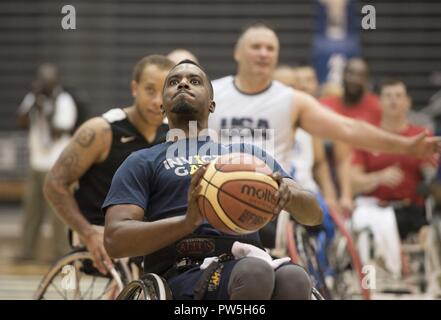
x=257 y=51
x=249 y=30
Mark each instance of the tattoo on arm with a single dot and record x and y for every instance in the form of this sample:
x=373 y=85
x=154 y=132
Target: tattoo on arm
x=66 y=167
x=85 y=137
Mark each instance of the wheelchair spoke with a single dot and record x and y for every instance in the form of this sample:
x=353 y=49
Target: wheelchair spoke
x=89 y=289
x=59 y=291
x=107 y=289
x=82 y=279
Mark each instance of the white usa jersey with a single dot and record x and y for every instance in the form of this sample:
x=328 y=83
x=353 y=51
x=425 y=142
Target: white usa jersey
x=264 y=119
x=303 y=161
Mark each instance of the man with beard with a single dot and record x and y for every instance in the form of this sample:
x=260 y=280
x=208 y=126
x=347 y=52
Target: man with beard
x=356 y=103
x=152 y=204
x=98 y=148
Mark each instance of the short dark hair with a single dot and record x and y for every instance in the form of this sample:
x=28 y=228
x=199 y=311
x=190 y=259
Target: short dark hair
x=202 y=69
x=162 y=62
x=392 y=82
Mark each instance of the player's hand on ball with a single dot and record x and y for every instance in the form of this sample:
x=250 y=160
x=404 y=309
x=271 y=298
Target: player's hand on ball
x=282 y=195
x=194 y=217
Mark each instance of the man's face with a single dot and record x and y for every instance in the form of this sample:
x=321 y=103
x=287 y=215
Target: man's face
x=355 y=78
x=187 y=94
x=306 y=80
x=47 y=79
x=257 y=52
x=148 y=94
x=394 y=100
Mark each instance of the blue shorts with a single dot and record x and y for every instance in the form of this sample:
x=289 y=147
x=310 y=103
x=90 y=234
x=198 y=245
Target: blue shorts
x=183 y=285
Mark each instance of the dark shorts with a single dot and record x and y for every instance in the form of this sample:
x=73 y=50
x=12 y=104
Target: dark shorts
x=410 y=219
x=183 y=285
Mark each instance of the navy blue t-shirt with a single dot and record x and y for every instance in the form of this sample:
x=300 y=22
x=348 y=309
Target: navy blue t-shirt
x=157 y=179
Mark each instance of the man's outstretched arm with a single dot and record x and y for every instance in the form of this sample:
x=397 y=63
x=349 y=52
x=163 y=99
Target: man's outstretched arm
x=324 y=123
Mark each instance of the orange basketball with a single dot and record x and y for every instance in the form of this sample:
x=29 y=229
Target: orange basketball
x=238 y=194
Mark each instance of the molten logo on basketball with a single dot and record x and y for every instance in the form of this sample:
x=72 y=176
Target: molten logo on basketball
x=261 y=194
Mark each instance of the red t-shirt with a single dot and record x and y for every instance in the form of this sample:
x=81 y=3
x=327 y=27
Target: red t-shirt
x=368 y=109
x=407 y=189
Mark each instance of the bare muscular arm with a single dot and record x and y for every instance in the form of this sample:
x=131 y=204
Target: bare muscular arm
x=324 y=123
x=89 y=145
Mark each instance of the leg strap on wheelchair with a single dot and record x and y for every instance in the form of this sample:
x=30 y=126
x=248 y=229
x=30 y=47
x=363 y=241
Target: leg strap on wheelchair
x=202 y=285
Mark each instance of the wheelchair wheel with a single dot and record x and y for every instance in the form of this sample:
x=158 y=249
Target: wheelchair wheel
x=73 y=277
x=347 y=282
x=316 y=295
x=346 y=262
x=307 y=252
x=149 y=287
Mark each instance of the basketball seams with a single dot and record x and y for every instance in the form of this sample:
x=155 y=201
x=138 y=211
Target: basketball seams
x=235 y=198
x=244 y=175
x=219 y=166
x=225 y=211
x=221 y=218
x=225 y=216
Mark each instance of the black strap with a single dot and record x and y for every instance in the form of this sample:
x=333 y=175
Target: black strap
x=202 y=285
x=195 y=248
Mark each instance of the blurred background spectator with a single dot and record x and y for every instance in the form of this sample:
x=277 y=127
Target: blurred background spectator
x=50 y=114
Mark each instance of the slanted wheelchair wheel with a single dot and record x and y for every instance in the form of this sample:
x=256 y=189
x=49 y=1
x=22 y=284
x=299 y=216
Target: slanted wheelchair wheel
x=149 y=287
x=307 y=252
x=346 y=263
x=316 y=295
x=73 y=277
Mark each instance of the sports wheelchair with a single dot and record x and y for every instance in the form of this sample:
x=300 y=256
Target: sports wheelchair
x=333 y=264
x=418 y=274
x=74 y=277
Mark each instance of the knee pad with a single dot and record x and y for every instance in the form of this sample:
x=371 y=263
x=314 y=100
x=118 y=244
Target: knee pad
x=292 y=283
x=251 y=278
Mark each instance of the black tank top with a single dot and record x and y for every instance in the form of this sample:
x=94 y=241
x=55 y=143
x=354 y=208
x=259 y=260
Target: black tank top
x=95 y=183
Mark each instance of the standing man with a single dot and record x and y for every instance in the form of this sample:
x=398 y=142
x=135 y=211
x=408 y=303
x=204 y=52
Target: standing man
x=253 y=108
x=50 y=114
x=98 y=148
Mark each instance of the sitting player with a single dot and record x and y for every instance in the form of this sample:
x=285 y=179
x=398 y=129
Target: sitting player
x=152 y=204
x=391 y=206
x=98 y=148
x=309 y=166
